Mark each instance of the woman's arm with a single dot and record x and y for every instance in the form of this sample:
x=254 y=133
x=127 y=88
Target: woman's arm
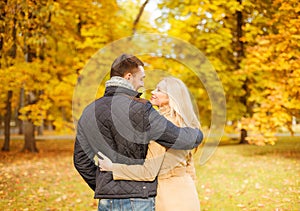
x=190 y=169
x=146 y=172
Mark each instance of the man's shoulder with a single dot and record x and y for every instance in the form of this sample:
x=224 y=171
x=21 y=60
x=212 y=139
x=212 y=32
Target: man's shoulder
x=93 y=106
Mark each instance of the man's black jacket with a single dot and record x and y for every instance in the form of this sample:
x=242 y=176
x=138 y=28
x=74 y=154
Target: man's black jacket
x=120 y=125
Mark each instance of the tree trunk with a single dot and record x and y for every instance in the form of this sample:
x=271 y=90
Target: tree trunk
x=9 y=93
x=240 y=43
x=243 y=136
x=30 y=54
x=21 y=105
x=7 y=122
x=12 y=53
x=1 y=120
x=49 y=126
x=40 y=129
x=29 y=144
x=29 y=140
x=136 y=21
x=240 y=56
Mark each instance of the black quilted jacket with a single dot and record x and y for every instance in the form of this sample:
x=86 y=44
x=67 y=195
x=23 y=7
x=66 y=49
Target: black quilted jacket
x=120 y=125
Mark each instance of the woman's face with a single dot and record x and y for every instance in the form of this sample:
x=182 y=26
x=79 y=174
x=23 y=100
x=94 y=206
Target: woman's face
x=159 y=98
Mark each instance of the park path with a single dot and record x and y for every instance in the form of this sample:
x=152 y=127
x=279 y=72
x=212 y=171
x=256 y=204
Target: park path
x=43 y=137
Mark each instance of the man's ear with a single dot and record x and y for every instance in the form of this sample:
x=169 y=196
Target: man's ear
x=128 y=76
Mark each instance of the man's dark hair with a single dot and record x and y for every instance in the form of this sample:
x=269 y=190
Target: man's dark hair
x=125 y=64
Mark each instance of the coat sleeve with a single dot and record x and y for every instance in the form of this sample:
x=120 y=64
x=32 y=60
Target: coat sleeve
x=146 y=172
x=83 y=163
x=168 y=134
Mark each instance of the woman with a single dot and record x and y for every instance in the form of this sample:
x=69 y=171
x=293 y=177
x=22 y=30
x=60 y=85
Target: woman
x=175 y=169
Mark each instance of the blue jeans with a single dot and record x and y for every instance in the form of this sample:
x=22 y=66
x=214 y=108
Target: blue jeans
x=131 y=204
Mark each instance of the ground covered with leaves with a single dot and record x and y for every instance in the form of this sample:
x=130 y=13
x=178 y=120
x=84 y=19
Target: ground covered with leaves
x=248 y=177
x=237 y=177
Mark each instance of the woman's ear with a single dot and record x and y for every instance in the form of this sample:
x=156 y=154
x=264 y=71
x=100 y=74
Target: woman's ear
x=128 y=76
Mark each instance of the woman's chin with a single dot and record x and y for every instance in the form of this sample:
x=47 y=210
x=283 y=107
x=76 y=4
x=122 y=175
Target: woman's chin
x=153 y=102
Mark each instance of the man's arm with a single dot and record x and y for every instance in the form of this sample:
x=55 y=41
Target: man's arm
x=83 y=163
x=169 y=135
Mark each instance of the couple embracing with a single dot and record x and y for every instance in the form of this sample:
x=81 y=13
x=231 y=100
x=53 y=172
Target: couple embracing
x=144 y=159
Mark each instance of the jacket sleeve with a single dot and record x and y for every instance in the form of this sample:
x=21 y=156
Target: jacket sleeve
x=168 y=134
x=83 y=162
x=146 y=172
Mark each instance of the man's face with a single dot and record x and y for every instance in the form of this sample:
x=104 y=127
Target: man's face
x=137 y=79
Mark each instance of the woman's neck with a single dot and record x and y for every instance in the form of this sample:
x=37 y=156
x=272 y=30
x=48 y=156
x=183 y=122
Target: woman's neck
x=164 y=109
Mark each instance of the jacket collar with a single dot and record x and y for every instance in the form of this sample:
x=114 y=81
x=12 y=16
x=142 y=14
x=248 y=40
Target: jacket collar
x=114 y=90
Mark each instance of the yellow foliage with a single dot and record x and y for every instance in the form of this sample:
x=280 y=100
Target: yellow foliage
x=269 y=69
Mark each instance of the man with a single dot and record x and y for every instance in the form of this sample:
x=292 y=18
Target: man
x=120 y=125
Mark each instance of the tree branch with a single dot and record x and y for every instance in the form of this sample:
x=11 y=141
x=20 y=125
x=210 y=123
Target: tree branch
x=139 y=16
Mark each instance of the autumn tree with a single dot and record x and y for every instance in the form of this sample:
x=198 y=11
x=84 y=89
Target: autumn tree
x=273 y=67
x=211 y=26
x=253 y=47
x=8 y=53
x=40 y=66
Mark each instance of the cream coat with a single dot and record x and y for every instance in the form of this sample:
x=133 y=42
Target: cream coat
x=176 y=174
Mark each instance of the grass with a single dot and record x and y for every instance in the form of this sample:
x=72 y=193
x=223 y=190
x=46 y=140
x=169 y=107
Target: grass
x=237 y=177
x=247 y=177
x=43 y=181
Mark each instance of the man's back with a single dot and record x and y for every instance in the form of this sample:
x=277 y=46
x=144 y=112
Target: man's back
x=123 y=141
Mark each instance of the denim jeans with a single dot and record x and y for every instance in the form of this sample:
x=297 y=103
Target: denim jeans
x=131 y=204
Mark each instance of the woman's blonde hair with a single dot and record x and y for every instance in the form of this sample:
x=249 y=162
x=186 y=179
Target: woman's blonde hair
x=179 y=101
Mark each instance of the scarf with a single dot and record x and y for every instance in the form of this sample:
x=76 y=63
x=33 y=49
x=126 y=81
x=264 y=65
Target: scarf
x=119 y=81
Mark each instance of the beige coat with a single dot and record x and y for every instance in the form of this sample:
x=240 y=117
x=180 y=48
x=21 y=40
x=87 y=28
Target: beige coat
x=176 y=174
